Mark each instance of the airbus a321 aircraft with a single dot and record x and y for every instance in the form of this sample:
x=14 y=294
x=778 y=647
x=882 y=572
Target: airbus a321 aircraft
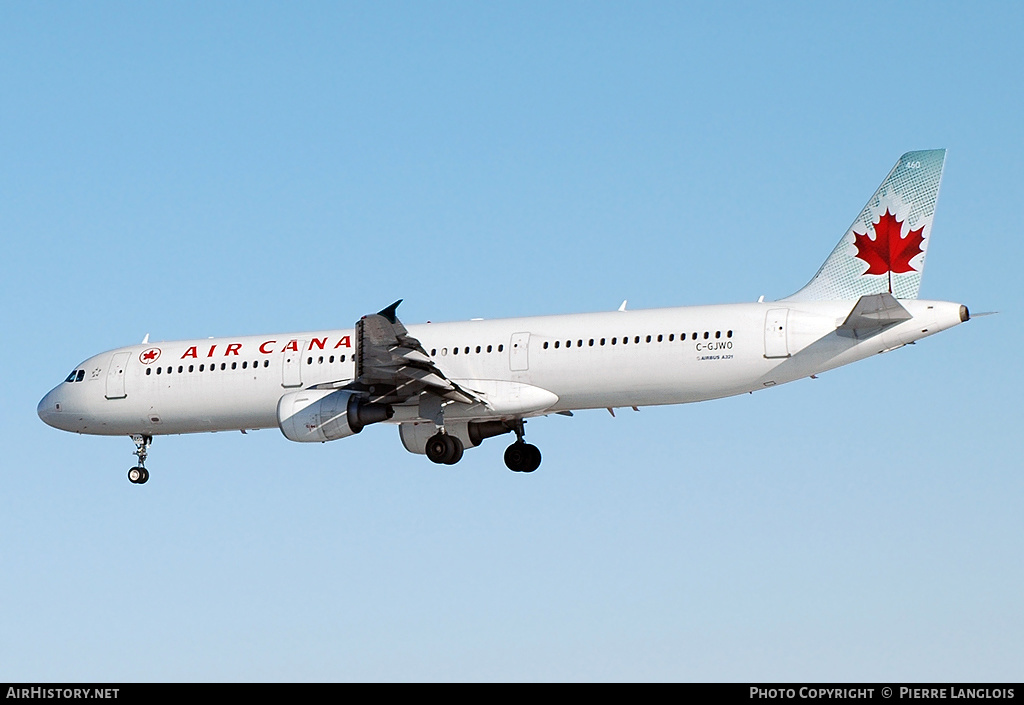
x=450 y=386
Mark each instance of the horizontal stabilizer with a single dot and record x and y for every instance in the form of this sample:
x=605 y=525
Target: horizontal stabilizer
x=872 y=313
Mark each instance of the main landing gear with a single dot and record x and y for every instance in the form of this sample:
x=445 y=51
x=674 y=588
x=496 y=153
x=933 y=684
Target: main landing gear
x=522 y=456
x=139 y=474
x=445 y=449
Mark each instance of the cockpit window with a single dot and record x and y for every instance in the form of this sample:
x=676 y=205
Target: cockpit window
x=71 y=377
x=80 y=376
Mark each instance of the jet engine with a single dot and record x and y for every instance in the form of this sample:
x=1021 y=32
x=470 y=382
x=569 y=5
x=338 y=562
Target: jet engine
x=319 y=415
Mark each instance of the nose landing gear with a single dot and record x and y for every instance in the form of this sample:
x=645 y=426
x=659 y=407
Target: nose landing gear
x=139 y=474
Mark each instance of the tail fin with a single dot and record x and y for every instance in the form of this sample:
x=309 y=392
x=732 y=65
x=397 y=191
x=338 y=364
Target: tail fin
x=884 y=249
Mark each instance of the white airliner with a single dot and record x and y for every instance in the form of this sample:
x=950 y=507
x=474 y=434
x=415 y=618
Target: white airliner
x=449 y=386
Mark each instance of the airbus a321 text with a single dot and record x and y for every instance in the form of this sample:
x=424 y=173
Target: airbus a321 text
x=450 y=386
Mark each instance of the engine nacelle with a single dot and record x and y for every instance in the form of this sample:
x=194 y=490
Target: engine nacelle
x=319 y=415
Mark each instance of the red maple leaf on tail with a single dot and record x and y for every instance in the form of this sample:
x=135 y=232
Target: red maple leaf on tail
x=889 y=252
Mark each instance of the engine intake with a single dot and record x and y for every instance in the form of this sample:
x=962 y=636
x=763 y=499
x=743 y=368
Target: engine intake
x=320 y=415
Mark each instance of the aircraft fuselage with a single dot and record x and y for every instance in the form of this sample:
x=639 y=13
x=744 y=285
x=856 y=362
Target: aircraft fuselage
x=524 y=366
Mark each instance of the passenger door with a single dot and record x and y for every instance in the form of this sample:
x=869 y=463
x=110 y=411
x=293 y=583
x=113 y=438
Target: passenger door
x=115 y=375
x=776 y=343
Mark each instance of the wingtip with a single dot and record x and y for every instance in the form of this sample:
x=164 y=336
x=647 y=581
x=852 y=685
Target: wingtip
x=391 y=312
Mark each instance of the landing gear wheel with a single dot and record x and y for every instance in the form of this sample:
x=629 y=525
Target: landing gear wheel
x=522 y=457
x=444 y=449
x=457 y=451
x=138 y=475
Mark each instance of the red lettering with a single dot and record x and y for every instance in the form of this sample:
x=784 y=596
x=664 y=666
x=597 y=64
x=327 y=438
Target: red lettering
x=233 y=349
x=191 y=352
x=212 y=348
x=346 y=341
x=317 y=342
x=292 y=345
x=264 y=345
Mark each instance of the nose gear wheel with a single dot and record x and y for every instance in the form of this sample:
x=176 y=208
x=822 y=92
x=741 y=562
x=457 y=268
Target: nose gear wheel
x=139 y=475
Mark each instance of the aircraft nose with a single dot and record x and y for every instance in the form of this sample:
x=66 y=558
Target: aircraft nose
x=49 y=408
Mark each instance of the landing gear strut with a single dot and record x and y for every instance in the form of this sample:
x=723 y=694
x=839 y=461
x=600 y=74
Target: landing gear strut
x=444 y=449
x=139 y=474
x=521 y=456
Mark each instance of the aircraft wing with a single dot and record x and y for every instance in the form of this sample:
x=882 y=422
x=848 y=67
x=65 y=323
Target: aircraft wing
x=392 y=365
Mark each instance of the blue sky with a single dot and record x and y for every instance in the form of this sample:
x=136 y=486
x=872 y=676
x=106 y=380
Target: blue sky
x=197 y=169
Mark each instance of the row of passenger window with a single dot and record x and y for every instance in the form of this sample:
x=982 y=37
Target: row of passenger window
x=79 y=375
x=469 y=350
x=203 y=368
x=625 y=340
x=321 y=360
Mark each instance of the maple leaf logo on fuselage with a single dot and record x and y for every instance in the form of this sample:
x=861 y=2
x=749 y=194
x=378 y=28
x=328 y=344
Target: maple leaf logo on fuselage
x=889 y=253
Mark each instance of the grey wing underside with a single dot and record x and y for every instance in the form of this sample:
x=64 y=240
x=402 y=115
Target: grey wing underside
x=392 y=367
